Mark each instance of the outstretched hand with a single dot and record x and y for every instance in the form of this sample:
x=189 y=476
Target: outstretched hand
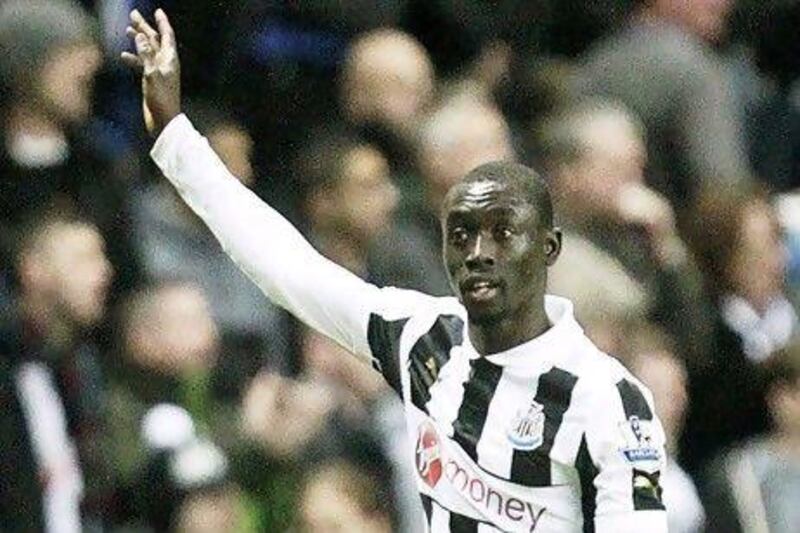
x=156 y=58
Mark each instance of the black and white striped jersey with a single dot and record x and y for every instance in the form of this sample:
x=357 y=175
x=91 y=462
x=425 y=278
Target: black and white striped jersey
x=549 y=436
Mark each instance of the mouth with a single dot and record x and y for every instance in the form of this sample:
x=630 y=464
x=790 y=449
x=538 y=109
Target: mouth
x=480 y=288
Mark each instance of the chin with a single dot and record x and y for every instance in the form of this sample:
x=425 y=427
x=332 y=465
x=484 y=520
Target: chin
x=483 y=316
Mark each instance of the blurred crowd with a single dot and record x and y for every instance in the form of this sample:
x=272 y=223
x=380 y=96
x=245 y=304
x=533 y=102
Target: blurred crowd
x=146 y=384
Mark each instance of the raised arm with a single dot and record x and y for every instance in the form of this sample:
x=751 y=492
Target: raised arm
x=264 y=244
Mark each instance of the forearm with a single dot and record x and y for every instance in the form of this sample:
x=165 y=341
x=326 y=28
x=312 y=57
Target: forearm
x=262 y=242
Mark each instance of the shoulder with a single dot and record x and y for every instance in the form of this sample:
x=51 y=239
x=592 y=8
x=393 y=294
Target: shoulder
x=603 y=380
x=410 y=314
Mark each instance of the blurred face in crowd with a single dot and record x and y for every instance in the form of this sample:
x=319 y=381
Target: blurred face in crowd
x=171 y=331
x=65 y=82
x=362 y=198
x=210 y=512
x=388 y=79
x=329 y=506
x=613 y=157
x=666 y=378
x=705 y=18
x=757 y=265
x=67 y=270
x=235 y=147
x=458 y=138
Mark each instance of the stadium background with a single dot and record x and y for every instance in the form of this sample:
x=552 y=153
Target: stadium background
x=668 y=129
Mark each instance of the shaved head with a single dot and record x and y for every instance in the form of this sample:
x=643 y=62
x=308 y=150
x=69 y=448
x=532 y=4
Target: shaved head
x=525 y=182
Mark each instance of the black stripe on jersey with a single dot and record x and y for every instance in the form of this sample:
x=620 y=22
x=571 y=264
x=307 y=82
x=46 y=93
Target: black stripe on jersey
x=384 y=342
x=462 y=524
x=427 y=505
x=633 y=401
x=430 y=353
x=587 y=472
x=478 y=393
x=554 y=393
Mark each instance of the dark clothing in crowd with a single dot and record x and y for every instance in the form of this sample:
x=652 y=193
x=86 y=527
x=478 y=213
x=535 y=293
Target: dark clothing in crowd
x=75 y=387
x=85 y=176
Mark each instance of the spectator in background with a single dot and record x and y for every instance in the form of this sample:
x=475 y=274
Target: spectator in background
x=594 y=154
x=463 y=131
x=651 y=358
x=340 y=496
x=348 y=196
x=738 y=243
x=173 y=244
x=661 y=65
x=161 y=400
x=335 y=405
x=53 y=372
x=47 y=154
x=756 y=487
x=386 y=83
x=168 y=346
x=379 y=411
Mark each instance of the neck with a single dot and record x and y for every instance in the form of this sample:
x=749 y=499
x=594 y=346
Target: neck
x=54 y=330
x=509 y=332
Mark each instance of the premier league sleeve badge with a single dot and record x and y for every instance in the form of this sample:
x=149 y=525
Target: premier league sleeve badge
x=639 y=449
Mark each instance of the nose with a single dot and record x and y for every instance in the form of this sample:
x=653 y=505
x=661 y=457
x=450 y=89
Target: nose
x=481 y=254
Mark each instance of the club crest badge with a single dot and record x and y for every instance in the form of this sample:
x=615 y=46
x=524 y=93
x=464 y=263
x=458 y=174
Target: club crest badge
x=639 y=449
x=527 y=428
x=428 y=454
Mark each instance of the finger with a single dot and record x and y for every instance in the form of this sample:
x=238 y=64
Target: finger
x=141 y=25
x=132 y=60
x=144 y=49
x=165 y=29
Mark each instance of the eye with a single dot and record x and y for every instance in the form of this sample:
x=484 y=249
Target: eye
x=458 y=236
x=503 y=232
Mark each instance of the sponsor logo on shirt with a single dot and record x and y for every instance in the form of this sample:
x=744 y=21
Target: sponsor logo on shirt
x=639 y=449
x=527 y=427
x=492 y=502
x=428 y=454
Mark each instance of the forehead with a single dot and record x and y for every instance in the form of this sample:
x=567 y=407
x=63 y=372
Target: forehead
x=486 y=196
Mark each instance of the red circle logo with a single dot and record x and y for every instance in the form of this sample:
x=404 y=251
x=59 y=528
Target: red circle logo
x=428 y=455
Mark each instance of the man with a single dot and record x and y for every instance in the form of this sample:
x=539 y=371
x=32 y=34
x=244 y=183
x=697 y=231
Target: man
x=663 y=67
x=51 y=147
x=756 y=486
x=52 y=382
x=595 y=156
x=520 y=423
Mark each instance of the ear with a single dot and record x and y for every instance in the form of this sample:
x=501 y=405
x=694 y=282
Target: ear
x=552 y=246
